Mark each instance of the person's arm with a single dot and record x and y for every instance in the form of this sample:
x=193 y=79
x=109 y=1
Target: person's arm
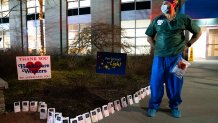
x=193 y=39
x=151 y=41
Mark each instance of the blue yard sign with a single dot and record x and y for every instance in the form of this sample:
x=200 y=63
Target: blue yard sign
x=111 y=63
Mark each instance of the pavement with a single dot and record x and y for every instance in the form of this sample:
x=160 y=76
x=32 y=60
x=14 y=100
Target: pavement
x=199 y=94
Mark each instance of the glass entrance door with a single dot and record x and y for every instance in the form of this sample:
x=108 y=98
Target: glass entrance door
x=212 y=43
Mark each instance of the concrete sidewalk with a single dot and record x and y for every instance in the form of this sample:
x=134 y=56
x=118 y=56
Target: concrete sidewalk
x=200 y=100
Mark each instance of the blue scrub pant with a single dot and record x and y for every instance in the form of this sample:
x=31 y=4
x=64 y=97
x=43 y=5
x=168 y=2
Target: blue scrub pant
x=161 y=74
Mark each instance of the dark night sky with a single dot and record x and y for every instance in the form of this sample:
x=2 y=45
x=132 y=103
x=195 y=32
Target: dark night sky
x=199 y=9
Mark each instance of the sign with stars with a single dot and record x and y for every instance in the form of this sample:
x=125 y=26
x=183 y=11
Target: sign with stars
x=111 y=63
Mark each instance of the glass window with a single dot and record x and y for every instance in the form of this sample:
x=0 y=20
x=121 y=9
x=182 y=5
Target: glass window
x=143 y=50
x=82 y=26
x=142 y=0
x=125 y=1
x=142 y=23
x=85 y=3
x=72 y=43
x=5 y=39
x=129 y=32
x=5 y=5
x=212 y=50
x=141 y=42
x=130 y=50
x=128 y=24
x=30 y=10
x=130 y=41
x=34 y=36
x=32 y=3
x=72 y=35
x=73 y=27
x=140 y=32
x=72 y=4
x=5 y=14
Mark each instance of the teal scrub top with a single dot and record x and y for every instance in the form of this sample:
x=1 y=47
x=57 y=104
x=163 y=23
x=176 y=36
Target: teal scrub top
x=170 y=37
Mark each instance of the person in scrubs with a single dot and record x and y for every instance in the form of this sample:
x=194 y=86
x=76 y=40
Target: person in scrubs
x=166 y=35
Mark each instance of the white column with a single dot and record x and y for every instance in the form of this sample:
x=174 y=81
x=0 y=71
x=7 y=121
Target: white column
x=18 y=26
x=102 y=11
x=55 y=36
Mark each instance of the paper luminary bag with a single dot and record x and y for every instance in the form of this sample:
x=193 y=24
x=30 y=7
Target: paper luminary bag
x=148 y=90
x=139 y=95
x=117 y=105
x=142 y=93
x=87 y=117
x=39 y=105
x=99 y=114
x=43 y=113
x=74 y=120
x=25 y=106
x=58 y=119
x=180 y=67
x=105 y=110
x=17 y=107
x=123 y=102
x=111 y=107
x=129 y=99
x=65 y=119
x=33 y=106
x=94 y=116
x=50 y=117
x=81 y=119
x=135 y=98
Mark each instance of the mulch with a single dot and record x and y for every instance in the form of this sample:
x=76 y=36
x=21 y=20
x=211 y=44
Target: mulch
x=21 y=117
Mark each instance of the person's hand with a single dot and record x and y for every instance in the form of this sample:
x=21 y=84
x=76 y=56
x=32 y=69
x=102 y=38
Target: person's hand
x=185 y=52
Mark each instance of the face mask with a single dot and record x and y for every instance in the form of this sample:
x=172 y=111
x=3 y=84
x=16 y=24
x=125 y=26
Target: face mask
x=165 y=9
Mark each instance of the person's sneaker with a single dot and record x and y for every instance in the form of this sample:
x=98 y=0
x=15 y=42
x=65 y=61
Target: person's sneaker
x=176 y=113
x=151 y=112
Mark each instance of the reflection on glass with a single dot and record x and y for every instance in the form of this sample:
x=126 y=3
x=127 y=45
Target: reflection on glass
x=5 y=5
x=142 y=23
x=130 y=41
x=73 y=27
x=130 y=32
x=131 y=50
x=30 y=10
x=34 y=43
x=7 y=42
x=128 y=24
x=72 y=34
x=32 y=3
x=213 y=50
x=141 y=42
x=213 y=36
x=5 y=14
x=72 y=43
x=143 y=50
x=73 y=4
x=125 y=1
x=142 y=0
x=82 y=26
x=140 y=32
x=84 y=3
